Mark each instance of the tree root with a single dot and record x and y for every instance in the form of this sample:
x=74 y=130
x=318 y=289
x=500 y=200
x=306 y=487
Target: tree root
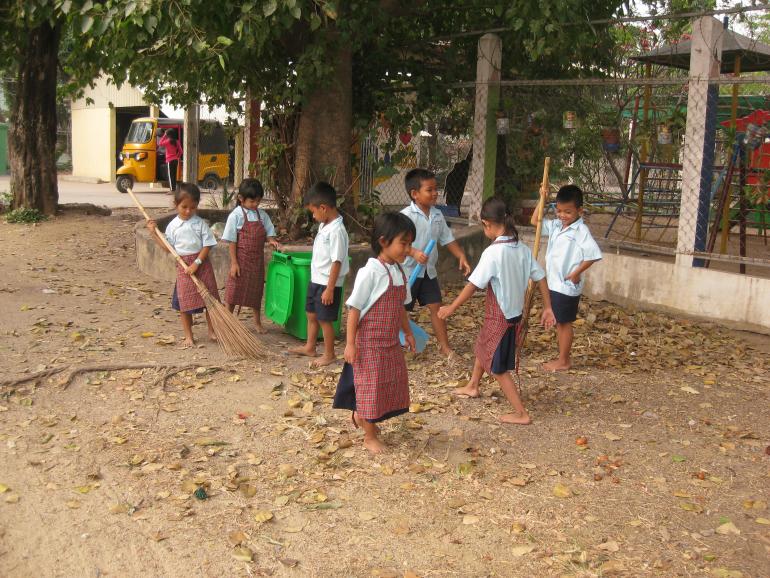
x=73 y=372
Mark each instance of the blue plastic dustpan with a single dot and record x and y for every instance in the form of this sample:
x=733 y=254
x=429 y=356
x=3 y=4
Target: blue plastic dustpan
x=420 y=336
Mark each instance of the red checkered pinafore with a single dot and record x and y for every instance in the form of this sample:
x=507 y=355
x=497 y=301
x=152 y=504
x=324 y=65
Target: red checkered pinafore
x=494 y=328
x=379 y=370
x=186 y=292
x=247 y=289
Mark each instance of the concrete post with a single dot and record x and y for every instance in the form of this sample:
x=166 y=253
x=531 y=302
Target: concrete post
x=251 y=137
x=238 y=162
x=481 y=181
x=698 y=161
x=154 y=111
x=190 y=144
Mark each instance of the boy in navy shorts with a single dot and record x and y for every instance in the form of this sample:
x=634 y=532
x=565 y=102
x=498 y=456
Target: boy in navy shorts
x=328 y=268
x=571 y=251
x=430 y=224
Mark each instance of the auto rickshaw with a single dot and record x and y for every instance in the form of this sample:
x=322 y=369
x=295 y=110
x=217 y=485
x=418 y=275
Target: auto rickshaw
x=145 y=162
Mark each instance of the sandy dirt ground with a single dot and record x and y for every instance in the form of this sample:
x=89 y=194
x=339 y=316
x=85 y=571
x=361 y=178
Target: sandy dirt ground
x=649 y=458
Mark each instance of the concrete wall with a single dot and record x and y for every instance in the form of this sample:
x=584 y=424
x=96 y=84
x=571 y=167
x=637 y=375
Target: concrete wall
x=93 y=143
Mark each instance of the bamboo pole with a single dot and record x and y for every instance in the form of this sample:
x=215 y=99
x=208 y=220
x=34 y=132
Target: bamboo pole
x=644 y=155
x=734 y=117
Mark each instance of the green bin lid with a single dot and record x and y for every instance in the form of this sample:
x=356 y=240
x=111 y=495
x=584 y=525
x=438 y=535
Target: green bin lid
x=279 y=292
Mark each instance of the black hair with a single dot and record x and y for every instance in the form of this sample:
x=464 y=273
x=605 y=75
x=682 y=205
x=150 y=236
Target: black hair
x=187 y=190
x=496 y=211
x=172 y=135
x=250 y=189
x=319 y=194
x=414 y=178
x=388 y=227
x=570 y=194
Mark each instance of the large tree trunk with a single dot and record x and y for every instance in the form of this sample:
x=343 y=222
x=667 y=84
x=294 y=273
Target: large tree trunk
x=325 y=132
x=32 y=139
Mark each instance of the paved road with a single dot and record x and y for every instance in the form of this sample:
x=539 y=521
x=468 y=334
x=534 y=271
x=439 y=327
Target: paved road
x=106 y=194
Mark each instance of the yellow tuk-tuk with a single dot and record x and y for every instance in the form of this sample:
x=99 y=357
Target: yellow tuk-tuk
x=145 y=162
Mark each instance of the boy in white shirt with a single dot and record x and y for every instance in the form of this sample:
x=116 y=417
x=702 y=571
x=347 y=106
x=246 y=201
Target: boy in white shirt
x=328 y=268
x=430 y=225
x=571 y=251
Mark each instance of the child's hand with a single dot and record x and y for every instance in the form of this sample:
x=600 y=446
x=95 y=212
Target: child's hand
x=574 y=277
x=350 y=353
x=445 y=311
x=274 y=244
x=152 y=225
x=235 y=270
x=548 y=319
x=327 y=297
x=420 y=257
x=409 y=341
x=191 y=269
x=465 y=267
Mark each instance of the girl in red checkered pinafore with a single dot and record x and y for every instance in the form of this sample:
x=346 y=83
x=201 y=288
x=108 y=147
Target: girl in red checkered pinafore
x=505 y=268
x=247 y=229
x=374 y=382
x=192 y=240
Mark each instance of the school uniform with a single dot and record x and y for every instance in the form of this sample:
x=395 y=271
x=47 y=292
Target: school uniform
x=249 y=230
x=376 y=385
x=504 y=270
x=433 y=226
x=329 y=246
x=188 y=239
x=568 y=247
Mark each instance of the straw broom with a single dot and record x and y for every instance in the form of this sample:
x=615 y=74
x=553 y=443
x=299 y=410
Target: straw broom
x=529 y=297
x=234 y=339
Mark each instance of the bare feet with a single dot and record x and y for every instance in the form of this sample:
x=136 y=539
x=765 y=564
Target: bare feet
x=213 y=337
x=556 y=365
x=446 y=351
x=260 y=329
x=187 y=343
x=374 y=445
x=516 y=418
x=360 y=422
x=322 y=361
x=470 y=390
x=303 y=350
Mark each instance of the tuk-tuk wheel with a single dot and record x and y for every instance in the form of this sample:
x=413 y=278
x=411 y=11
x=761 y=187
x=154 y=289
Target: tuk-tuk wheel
x=124 y=182
x=211 y=183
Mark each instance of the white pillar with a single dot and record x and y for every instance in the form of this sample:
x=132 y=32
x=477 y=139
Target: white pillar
x=698 y=157
x=190 y=144
x=481 y=180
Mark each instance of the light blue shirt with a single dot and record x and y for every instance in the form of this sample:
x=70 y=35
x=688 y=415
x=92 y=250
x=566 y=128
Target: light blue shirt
x=190 y=236
x=507 y=267
x=433 y=226
x=372 y=282
x=568 y=248
x=329 y=246
x=235 y=223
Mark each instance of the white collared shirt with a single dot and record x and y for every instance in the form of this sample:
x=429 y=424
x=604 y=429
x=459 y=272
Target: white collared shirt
x=433 y=226
x=235 y=223
x=329 y=246
x=190 y=236
x=372 y=282
x=508 y=267
x=568 y=248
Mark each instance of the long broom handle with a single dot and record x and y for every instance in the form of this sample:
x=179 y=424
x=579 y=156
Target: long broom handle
x=541 y=206
x=160 y=235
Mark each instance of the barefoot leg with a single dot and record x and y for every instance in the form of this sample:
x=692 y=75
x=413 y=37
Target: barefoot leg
x=186 y=319
x=564 y=335
x=471 y=389
x=259 y=328
x=312 y=337
x=328 y=356
x=439 y=329
x=212 y=335
x=372 y=441
x=509 y=389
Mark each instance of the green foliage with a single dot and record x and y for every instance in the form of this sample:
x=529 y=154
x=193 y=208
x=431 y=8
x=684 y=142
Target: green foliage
x=24 y=215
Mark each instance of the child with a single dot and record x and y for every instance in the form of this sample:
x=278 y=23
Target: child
x=246 y=230
x=504 y=269
x=192 y=239
x=571 y=250
x=328 y=268
x=173 y=155
x=378 y=388
x=430 y=224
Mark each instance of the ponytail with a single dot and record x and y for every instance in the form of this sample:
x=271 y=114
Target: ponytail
x=495 y=210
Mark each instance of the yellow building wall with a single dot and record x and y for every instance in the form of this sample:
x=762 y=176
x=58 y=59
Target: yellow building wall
x=93 y=138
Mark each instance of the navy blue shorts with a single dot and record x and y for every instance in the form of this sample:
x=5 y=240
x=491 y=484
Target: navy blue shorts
x=565 y=307
x=313 y=303
x=426 y=291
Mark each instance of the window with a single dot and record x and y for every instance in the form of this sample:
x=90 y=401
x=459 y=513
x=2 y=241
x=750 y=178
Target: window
x=140 y=132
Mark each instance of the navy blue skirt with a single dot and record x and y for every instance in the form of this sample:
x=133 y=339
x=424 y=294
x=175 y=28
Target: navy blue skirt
x=504 y=359
x=175 y=304
x=345 y=396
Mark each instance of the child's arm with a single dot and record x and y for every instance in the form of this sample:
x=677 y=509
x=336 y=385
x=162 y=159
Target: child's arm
x=547 y=319
x=327 y=297
x=464 y=295
x=235 y=270
x=273 y=243
x=457 y=251
x=575 y=274
x=408 y=335
x=350 y=332
x=536 y=212
x=191 y=269
x=152 y=225
x=419 y=256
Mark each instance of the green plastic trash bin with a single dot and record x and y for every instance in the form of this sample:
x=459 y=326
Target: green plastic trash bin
x=288 y=276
